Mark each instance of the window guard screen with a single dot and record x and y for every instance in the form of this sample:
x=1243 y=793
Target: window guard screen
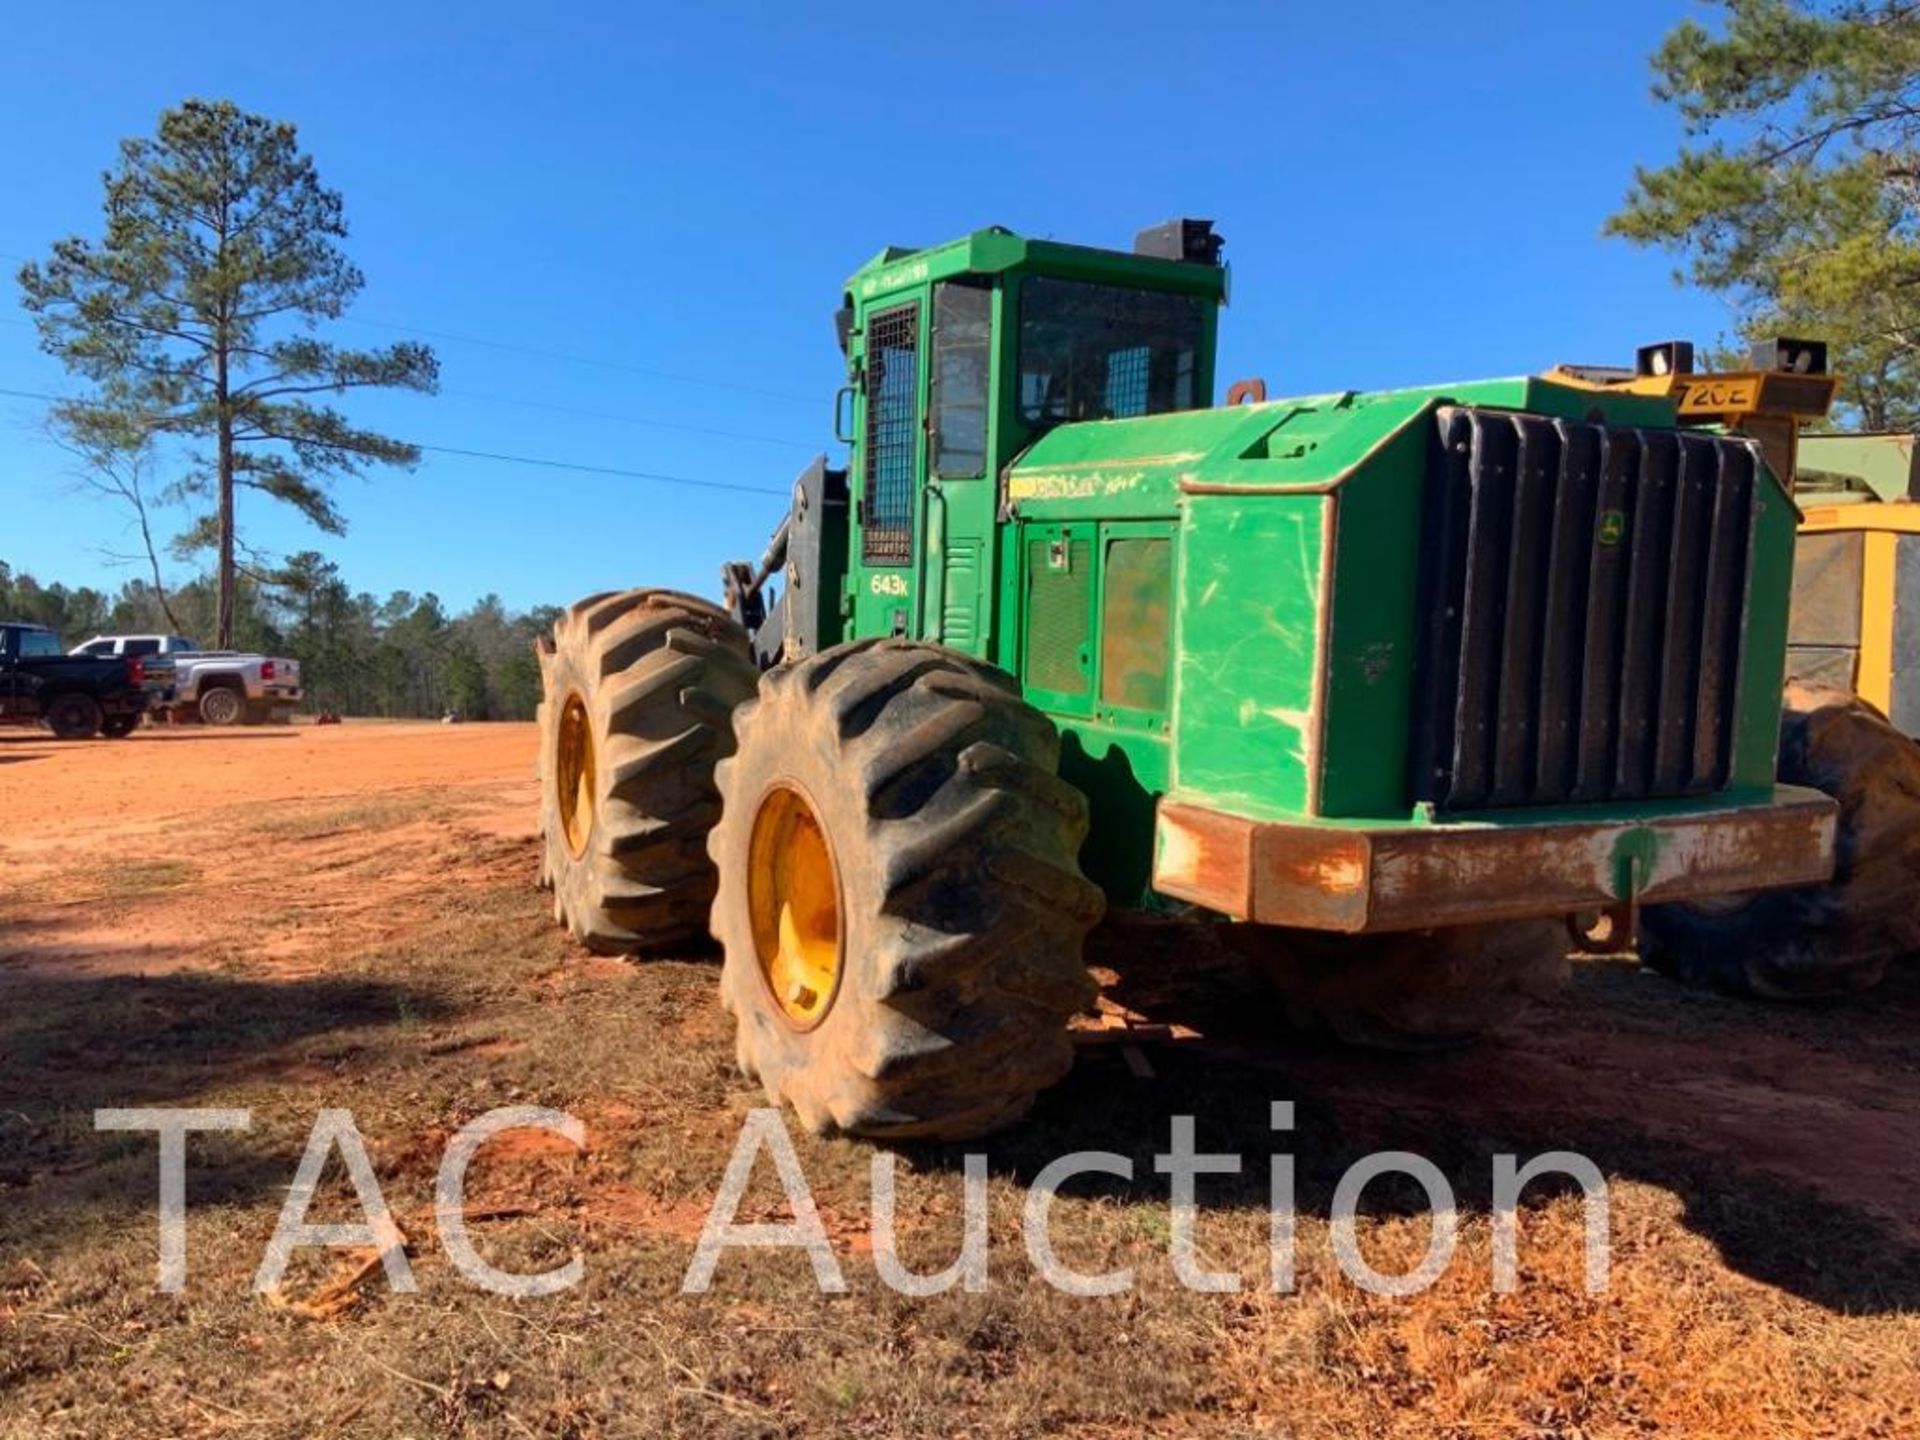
x=893 y=347
x=1100 y=352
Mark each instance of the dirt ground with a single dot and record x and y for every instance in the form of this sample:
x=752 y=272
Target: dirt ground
x=290 y=919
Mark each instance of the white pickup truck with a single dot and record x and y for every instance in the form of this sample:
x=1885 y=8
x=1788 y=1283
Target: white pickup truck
x=221 y=687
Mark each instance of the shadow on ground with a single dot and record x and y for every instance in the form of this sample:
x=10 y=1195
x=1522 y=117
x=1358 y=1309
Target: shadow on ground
x=69 y=1046
x=170 y=735
x=1717 y=1101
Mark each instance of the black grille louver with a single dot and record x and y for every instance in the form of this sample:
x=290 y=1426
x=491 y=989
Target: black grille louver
x=1583 y=596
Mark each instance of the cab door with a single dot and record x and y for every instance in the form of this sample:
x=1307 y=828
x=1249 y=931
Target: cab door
x=961 y=494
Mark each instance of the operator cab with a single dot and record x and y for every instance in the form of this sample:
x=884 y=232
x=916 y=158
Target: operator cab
x=959 y=357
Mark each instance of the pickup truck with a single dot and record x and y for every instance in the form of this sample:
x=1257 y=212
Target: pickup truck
x=221 y=687
x=77 y=696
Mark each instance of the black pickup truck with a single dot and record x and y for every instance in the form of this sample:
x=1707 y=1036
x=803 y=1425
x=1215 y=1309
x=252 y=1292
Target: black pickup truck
x=78 y=696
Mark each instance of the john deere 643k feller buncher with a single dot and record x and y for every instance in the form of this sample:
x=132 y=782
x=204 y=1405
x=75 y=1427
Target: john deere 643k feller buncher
x=1395 y=680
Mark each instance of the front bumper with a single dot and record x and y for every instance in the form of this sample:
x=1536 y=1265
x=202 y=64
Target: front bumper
x=1351 y=879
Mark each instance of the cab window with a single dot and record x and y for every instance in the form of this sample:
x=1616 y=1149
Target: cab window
x=962 y=320
x=1103 y=352
x=39 y=642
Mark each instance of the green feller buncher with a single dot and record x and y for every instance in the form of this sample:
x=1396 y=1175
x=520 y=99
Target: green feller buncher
x=1397 y=681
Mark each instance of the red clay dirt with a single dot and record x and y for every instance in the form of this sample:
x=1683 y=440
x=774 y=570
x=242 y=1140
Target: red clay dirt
x=194 y=864
x=1814 y=1113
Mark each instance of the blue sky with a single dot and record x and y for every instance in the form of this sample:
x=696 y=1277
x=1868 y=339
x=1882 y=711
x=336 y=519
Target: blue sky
x=672 y=195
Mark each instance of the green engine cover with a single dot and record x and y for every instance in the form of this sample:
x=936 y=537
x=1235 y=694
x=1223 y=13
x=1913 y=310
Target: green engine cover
x=1455 y=603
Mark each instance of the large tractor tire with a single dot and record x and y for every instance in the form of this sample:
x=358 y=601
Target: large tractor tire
x=74 y=717
x=640 y=689
x=1822 y=940
x=900 y=901
x=1409 y=990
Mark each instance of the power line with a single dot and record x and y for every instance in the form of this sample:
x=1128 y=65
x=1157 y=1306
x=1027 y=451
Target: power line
x=558 y=409
x=540 y=461
x=631 y=419
x=602 y=363
x=783 y=493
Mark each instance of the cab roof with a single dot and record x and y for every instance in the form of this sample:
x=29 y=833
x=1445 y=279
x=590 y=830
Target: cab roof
x=997 y=249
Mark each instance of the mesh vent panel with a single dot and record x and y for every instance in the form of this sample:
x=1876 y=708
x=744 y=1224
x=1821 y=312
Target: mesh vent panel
x=1058 y=614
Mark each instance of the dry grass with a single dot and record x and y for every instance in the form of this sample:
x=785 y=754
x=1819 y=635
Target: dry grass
x=1744 y=1300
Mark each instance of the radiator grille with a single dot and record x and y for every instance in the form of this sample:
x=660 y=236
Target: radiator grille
x=1583 y=593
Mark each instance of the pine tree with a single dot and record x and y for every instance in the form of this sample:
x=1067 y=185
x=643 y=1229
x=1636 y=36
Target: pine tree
x=1798 y=195
x=194 y=319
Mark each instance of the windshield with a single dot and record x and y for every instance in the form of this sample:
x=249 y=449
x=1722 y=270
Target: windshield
x=1099 y=352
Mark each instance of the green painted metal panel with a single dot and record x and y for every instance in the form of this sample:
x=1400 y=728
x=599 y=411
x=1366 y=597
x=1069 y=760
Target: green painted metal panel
x=1247 y=650
x=1367 y=716
x=1756 y=734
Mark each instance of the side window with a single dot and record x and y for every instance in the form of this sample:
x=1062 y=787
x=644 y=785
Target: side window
x=141 y=647
x=1136 y=621
x=892 y=364
x=962 y=361
x=100 y=647
x=39 y=642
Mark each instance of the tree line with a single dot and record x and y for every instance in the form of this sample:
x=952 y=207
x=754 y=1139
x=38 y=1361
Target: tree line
x=404 y=657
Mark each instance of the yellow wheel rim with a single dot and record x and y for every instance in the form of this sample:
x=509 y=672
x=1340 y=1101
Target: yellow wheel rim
x=573 y=774
x=793 y=894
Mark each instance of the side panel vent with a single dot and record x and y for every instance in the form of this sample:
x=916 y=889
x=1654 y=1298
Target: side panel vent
x=1584 y=593
x=1059 y=614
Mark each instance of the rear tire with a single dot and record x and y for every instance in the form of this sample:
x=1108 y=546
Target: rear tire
x=118 y=727
x=222 y=705
x=74 y=717
x=897 y=854
x=1823 y=940
x=640 y=692
x=1409 y=990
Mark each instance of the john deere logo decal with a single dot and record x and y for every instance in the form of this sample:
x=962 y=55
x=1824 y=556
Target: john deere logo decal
x=1613 y=527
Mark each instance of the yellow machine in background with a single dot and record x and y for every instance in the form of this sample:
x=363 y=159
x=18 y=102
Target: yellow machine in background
x=1856 y=581
x=1853 y=689
x=1856 y=602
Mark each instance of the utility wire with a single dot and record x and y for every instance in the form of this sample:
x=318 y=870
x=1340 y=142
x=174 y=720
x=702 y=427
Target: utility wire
x=630 y=419
x=540 y=461
x=516 y=348
x=604 y=364
x=558 y=409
